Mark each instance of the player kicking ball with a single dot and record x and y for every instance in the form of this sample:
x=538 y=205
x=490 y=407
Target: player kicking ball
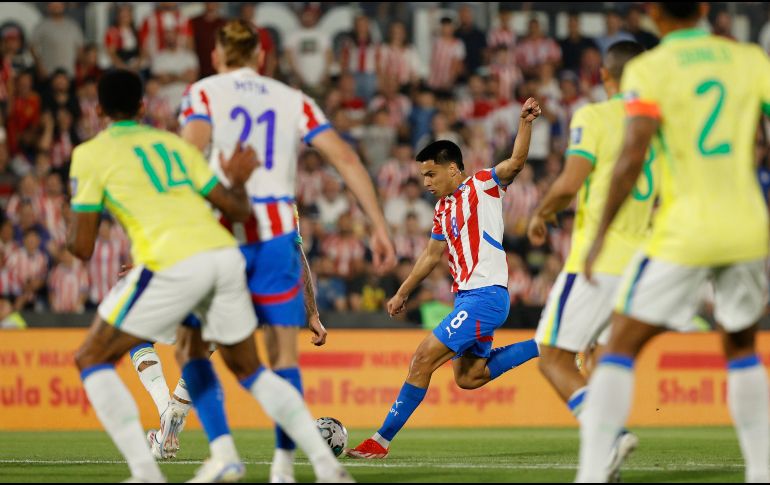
x=468 y=225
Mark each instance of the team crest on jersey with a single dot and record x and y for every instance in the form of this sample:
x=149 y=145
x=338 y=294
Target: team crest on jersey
x=576 y=135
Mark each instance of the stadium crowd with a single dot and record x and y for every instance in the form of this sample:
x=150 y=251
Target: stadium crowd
x=380 y=97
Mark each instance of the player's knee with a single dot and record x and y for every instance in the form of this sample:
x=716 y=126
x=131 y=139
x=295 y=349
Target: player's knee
x=420 y=367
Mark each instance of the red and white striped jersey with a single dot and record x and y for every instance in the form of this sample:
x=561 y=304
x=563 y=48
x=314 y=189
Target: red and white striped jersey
x=28 y=266
x=400 y=63
x=9 y=278
x=508 y=76
x=344 y=252
x=392 y=176
x=244 y=107
x=398 y=108
x=409 y=246
x=361 y=58
x=104 y=266
x=533 y=52
x=501 y=37
x=151 y=32
x=53 y=218
x=471 y=222
x=66 y=287
x=445 y=53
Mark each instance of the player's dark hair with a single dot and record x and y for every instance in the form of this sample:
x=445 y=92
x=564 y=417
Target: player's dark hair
x=680 y=10
x=442 y=152
x=120 y=94
x=618 y=56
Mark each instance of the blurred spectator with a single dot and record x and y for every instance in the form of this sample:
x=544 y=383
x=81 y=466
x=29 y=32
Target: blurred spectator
x=473 y=39
x=90 y=123
x=104 y=265
x=722 y=25
x=56 y=41
x=9 y=317
x=519 y=280
x=409 y=202
x=68 y=285
x=8 y=179
x=397 y=171
x=59 y=137
x=571 y=97
x=543 y=282
x=396 y=105
x=412 y=240
x=152 y=34
x=478 y=153
x=310 y=177
x=615 y=32
x=309 y=52
x=590 y=78
x=175 y=67
x=345 y=98
x=440 y=130
x=332 y=204
x=634 y=26
x=536 y=49
x=399 y=59
x=346 y=129
x=507 y=73
x=560 y=238
x=422 y=114
x=157 y=109
x=345 y=250
x=54 y=207
x=520 y=200
x=29 y=221
x=360 y=57
x=88 y=65
x=13 y=49
x=574 y=44
x=204 y=28
x=475 y=104
x=503 y=34
x=378 y=139
x=60 y=94
x=447 y=56
x=122 y=40
x=30 y=264
x=367 y=295
x=28 y=192
x=23 y=113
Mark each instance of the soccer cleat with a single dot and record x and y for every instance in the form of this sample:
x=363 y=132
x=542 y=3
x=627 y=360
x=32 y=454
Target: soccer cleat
x=172 y=422
x=157 y=450
x=339 y=476
x=218 y=471
x=625 y=444
x=369 y=450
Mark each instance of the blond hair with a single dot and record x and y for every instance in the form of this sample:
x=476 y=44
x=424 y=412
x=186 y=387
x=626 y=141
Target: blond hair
x=239 y=39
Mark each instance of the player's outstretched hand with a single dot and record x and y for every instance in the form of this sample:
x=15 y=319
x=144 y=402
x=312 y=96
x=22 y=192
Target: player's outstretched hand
x=383 y=252
x=318 y=329
x=530 y=110
x=239 y=167
x=396 y=305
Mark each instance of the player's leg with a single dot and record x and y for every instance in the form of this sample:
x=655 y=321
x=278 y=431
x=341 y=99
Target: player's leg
x=653 y=294
x=741 y=296
x=150 y=371
x=110 y=398
x=472 y=371
x=431 y=354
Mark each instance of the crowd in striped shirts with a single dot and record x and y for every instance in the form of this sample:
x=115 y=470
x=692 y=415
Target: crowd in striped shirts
x=381 y=97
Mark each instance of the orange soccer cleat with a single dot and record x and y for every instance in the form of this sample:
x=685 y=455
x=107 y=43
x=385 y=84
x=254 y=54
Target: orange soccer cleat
x=368 y=450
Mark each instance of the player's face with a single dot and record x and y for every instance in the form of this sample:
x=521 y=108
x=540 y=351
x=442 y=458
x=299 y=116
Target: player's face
x=437 y=178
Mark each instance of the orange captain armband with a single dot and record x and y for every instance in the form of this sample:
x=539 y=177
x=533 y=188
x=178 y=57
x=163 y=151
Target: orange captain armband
x=648 y=109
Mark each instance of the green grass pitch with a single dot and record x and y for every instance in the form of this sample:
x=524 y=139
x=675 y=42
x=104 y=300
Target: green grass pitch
x=440 y=455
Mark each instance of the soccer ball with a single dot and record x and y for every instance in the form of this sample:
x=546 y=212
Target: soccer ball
x=334 y=433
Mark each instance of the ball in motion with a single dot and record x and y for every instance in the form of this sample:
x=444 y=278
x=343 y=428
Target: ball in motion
x=334 y=433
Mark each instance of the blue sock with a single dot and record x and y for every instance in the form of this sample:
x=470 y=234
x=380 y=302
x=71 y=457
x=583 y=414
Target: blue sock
x=207 y=397
x=506 y=358
x=575 y=403
x=292 y=375
x=408 y=399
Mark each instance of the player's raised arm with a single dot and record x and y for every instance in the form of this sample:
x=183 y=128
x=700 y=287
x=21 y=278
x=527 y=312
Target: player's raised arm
x=639 y=132
x=507 y=170
x=347 y=163
x=430 y=257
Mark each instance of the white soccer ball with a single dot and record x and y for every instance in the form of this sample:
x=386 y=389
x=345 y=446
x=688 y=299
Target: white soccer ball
x=334 y=433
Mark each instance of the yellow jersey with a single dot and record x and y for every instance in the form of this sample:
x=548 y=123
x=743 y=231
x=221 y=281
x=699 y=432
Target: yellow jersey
x=596 y=134
x=155 y=184
x=707 y=93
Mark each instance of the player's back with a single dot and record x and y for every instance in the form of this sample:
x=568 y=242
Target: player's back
x=707 y=91
x=244 y=107
x=154 y=183
x=597 y=134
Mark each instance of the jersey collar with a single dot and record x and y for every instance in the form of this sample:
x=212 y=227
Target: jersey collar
x=693 y=33
x=458 y=189
x=124 y=123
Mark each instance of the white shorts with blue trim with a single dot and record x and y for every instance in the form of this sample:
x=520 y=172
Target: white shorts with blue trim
x=669 y=295
x=152 y=305
x=577 y=313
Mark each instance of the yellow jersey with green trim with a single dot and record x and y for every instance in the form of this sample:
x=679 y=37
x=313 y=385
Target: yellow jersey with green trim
x=596 y=134
x=707 y=92
x=155 y=184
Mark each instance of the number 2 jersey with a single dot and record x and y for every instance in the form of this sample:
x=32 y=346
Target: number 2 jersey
x=707 y=93
x=244 y=107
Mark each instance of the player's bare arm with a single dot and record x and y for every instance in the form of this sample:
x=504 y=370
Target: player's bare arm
x=508 y=169
x=428 y=260
x=639 y=132
x=313 y=318
x=234 y=201
x=83 y=230
x=347 y=163
x=559 y=196
x=197 y=132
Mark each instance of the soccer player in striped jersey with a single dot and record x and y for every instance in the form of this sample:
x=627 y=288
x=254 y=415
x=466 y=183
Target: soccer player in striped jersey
x=468 y=226
x=702 y=96
x=576 y=316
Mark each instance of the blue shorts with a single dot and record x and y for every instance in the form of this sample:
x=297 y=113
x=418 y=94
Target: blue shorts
x=471 y=325
x=274 y=276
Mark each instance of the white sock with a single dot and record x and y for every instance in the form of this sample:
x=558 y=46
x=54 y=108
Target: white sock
x=119 y=415
x=382 y=441
x=284 y=404
x=181 y=391
x=283 y=462
x=605 y=412
x=224 y=448
x=747 y=396
x=152 y=377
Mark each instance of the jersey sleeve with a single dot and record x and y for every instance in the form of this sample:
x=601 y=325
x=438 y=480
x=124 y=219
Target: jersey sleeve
x=200 y=173
x=86 y=182
x=437 y=232
x=487 y=181
x=312 y=122
x=763 y=78
x=583 y=137
x=640 y=89
x=195 y=105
